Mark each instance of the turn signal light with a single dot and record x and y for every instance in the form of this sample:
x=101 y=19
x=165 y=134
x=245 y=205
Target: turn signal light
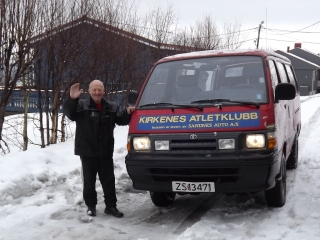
x=272 y=143
x=128 y=144
x=272 y=140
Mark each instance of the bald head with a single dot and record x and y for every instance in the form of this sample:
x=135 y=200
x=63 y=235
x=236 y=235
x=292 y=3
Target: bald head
x=96 y=83
x=96 y=90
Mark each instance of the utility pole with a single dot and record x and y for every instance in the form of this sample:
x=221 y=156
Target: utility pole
x=260 y=25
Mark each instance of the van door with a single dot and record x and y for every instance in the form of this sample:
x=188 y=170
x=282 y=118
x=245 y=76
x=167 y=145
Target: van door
x=288 y=111
x=296 y=102
x=279 y=109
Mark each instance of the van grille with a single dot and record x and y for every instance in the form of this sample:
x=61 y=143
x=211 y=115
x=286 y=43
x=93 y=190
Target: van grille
x=204 y=146
x=217 y=175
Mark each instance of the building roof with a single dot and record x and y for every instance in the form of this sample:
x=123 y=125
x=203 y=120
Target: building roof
x=107 y=27
x=306 y=54
x=299 y=62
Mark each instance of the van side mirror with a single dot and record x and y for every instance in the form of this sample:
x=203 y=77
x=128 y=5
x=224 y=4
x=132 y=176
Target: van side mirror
x=285 y=91
x=132 y=98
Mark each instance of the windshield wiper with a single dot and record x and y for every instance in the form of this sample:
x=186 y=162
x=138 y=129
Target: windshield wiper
x=172 y=105
x=220 y=100
x=156 y=104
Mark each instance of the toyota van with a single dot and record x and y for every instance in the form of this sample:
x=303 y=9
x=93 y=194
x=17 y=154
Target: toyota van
x=223 y=121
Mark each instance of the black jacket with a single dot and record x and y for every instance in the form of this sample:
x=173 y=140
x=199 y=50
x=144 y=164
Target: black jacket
x=94 y=129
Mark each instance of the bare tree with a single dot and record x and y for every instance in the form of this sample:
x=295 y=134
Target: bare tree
x=18 y=24
x=231 y=37
x=206 y=35
x=26 y=96
x=160 y=24
x=117 y=47
x=62 y=58
x=74 y=48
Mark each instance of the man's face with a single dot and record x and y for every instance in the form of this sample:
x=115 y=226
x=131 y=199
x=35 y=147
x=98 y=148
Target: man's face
x=96 y=91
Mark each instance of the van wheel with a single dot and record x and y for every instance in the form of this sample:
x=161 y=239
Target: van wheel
x=276 y=196
x=292 y=162
x=162 y=199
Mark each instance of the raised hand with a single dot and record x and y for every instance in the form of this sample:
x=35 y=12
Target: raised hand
x=75 y=91
x=130 y=110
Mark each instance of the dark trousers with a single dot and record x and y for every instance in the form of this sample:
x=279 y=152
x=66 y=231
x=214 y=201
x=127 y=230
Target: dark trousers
x=104 y=167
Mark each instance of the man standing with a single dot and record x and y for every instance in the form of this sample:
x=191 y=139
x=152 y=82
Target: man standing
x=94 y=142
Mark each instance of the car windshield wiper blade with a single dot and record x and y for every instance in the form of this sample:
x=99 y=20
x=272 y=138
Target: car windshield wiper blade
x=156 y=104
x=172 y=105
x=220 y=100
x=189 y=106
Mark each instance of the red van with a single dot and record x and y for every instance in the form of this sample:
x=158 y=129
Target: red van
x=224 y=121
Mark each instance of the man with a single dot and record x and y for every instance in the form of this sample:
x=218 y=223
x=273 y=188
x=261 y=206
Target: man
x=202 y=81
x=95 y=120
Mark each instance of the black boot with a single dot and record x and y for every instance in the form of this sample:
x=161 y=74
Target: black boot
x=92 y=211
x=113 y=211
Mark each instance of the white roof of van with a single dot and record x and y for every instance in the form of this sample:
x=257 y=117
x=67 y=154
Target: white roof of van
x=223 y=52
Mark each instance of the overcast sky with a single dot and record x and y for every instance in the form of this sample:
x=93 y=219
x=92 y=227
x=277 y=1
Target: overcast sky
x=292 y=15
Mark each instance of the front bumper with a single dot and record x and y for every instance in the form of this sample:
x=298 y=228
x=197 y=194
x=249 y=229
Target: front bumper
x=231 y=173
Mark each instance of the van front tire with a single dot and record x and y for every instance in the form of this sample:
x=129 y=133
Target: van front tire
x=162 y=199
x=292 y=162
x=276 y=196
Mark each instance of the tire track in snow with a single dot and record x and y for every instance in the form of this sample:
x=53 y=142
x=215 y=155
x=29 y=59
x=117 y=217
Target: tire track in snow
x=198 y=213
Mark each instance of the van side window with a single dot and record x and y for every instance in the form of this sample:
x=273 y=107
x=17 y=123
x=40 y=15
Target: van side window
x=291 y=76
x=282 y=73
x=274 y=75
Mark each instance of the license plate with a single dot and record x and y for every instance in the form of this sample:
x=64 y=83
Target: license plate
x=193 y=186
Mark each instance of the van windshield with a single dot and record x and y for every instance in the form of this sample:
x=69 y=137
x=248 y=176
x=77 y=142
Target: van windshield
x=235 y=78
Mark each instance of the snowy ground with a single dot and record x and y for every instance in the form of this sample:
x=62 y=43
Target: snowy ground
x=41 y=198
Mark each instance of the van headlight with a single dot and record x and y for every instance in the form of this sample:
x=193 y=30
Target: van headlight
x=141 y=143
x=255 y=141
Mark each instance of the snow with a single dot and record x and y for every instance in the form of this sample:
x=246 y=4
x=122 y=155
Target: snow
x=41 y=198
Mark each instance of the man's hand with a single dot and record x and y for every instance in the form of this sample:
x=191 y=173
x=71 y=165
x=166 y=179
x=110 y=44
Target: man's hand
x=130 y=110
x=75 y=91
